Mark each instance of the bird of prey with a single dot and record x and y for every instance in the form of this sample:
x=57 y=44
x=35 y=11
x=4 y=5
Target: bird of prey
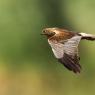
x=64 y=44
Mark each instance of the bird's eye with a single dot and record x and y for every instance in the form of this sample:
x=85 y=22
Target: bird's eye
x=45 y=31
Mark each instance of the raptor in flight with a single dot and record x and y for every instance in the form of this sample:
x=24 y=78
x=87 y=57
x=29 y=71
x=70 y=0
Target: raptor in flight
x=64 y=45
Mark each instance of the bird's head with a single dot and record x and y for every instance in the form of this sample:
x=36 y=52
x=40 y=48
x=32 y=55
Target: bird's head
x=49 y=32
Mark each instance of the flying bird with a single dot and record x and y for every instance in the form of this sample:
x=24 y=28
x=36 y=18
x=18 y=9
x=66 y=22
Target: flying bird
x=64 y=44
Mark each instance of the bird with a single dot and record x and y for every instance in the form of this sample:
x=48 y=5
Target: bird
x=64 y=44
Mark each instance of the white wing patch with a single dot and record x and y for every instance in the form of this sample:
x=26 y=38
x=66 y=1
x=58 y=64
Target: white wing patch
x=57 y=49
x=71 y=46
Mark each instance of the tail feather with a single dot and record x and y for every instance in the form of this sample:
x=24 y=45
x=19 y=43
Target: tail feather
x=87 y=36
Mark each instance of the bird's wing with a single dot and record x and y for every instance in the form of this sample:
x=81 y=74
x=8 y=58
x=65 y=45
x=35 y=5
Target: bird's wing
x=70 y=58
x=67 y=53
x=57 y=49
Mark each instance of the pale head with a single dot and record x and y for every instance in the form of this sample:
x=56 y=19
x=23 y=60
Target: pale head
x=49 y=32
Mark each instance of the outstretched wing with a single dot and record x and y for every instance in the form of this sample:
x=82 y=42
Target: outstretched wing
x=67 y=53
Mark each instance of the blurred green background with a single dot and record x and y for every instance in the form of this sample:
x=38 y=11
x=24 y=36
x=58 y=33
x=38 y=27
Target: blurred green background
x=27 y=64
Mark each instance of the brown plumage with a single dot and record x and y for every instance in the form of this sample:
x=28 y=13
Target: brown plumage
x=64 y=45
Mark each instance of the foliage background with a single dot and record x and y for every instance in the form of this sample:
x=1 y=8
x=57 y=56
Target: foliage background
x=27 y=65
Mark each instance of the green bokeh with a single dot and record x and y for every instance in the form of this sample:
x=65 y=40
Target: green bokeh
x=27 y=64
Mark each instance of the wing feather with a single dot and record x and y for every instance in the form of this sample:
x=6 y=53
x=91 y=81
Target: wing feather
x=67 y=53
x=57 y=49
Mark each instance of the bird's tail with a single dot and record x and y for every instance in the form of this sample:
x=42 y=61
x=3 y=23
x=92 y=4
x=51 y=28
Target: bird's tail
x=87 y=36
